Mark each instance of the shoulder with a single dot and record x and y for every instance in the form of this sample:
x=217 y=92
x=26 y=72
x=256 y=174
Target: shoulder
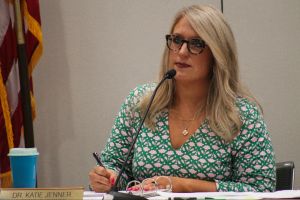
x=248 y=110
x=253 y=124
x=142 y=90
x=138 y=93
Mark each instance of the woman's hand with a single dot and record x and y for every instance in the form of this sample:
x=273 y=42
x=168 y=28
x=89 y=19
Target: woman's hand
x=160 y=182
x=101 y=179
x=156 y=182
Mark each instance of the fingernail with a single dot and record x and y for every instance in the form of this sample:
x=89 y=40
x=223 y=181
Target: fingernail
x=129 y=189
x=112 y=181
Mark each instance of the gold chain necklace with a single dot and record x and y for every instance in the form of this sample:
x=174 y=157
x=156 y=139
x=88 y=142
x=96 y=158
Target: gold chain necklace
x=185 y=131
x=188 y=123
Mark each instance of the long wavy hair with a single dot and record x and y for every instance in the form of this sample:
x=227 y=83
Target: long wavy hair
x=225 y=86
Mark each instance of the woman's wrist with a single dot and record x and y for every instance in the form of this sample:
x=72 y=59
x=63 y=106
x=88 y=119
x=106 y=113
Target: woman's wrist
x=177 y=184
x=192 y=185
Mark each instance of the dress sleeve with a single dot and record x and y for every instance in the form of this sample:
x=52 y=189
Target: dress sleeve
x=122 y=133
x=253 y=162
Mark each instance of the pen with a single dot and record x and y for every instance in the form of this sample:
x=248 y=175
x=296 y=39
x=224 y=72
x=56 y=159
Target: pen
x=97 y=158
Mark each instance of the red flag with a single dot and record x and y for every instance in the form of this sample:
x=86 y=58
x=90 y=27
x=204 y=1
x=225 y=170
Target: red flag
x=10 y=109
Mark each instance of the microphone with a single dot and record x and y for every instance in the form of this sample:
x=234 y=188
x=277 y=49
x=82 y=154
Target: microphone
x=169 y=75
x=119 y=195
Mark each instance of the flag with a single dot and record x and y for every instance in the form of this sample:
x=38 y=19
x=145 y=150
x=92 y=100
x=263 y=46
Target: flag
x=11 y=107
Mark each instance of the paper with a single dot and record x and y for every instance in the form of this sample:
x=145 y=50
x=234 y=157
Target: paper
x=214 y=195
x=90 y=195
x=236 y=195
x=280 y=194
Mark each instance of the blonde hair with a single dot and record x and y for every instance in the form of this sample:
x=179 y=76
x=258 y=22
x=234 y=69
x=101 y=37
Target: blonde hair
x=225 y=86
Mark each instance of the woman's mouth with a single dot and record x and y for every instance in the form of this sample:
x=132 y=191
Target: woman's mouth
x=182 y=65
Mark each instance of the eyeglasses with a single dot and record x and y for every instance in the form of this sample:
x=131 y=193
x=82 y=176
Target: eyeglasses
x=194 y=45
x=137 y=188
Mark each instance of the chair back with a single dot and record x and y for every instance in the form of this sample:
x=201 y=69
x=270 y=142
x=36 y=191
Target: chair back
x=285 y=175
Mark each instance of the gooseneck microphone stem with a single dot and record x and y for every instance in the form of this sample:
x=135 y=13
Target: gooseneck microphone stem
x=169 y=75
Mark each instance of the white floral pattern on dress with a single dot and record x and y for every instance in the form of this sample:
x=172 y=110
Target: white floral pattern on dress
x=245 y=164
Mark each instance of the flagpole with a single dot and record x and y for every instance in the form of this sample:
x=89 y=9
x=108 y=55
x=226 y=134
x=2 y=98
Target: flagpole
x=222 y=6
x=24 y=79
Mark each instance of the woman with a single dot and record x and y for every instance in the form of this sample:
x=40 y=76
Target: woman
x=204 y=132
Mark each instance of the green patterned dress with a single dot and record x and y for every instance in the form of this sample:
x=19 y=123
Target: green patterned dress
x=245 y=164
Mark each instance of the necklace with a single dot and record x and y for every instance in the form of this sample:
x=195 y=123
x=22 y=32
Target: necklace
x=187 y=122
x=186 y=126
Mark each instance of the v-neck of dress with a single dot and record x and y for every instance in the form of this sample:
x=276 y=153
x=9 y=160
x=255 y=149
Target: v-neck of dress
x=191 y=138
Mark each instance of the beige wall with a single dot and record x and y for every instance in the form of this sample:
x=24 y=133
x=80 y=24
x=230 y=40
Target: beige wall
x=95 y=51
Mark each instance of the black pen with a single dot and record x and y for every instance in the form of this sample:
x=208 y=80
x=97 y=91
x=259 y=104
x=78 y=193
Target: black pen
x=97 y=158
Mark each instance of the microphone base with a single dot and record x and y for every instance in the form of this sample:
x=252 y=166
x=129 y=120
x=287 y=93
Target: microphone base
x=125 y=196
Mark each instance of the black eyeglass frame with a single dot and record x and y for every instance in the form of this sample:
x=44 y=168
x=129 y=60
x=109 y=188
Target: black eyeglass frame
x=169 y=37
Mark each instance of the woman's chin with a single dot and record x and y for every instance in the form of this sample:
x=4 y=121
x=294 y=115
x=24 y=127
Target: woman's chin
x=183 y=77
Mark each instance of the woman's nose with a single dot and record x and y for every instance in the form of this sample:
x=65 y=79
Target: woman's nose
x=183 y=49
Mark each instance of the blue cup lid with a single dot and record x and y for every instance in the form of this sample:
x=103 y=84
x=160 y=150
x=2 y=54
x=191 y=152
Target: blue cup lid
x=23 y=152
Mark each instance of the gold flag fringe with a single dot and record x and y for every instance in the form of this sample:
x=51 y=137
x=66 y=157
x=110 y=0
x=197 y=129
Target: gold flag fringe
x=6 y=177
x=6 y=113
x=35 y=28
x=6 y=180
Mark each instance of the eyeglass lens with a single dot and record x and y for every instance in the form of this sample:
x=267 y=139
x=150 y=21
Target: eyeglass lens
x=194 y=45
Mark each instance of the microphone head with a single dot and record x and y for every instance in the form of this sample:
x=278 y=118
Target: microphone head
x=170 y=74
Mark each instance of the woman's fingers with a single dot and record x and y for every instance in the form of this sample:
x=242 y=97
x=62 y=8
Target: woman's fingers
x=100 y=179
x=101 y=171
x=112 y=176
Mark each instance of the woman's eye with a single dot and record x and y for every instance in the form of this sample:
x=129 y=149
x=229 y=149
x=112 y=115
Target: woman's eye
x=197 y=43
x=177 y=40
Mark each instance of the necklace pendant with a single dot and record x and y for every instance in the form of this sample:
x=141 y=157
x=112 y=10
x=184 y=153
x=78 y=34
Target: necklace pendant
x=185 y=132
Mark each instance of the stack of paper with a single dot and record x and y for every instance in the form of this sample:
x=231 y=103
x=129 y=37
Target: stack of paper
x=234 y=195
x=284 y=194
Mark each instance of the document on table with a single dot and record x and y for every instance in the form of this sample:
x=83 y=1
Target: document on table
x=206 y=195
x=233 y=195
x=88 y=195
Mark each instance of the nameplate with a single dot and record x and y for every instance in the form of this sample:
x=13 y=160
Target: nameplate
x=41 y=193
